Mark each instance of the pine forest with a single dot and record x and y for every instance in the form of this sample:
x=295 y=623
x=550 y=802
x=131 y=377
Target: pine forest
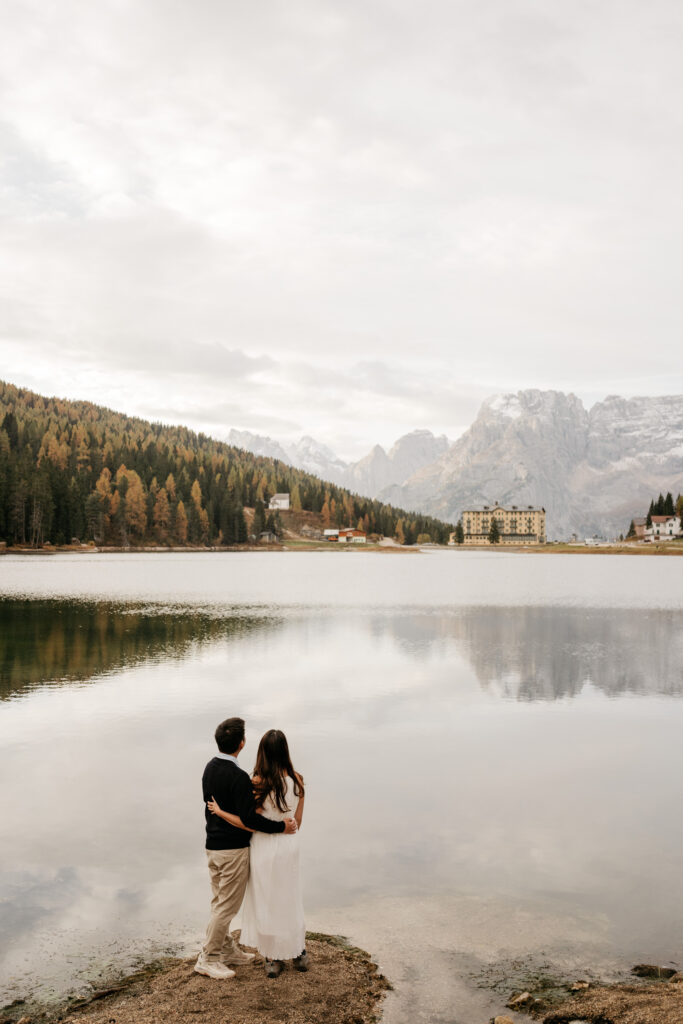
x=74 y=471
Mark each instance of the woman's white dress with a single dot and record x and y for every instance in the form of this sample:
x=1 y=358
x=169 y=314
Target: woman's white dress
x=273 y=910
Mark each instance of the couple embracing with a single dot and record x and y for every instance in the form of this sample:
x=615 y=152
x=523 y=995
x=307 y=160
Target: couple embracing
x=252 y=846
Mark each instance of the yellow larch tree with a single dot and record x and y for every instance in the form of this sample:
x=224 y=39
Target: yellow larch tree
x=162 y=514
x=181 y=524
x=134 y=496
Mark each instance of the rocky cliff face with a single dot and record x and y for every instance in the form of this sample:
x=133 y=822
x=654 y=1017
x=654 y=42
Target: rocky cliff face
x=380 y=469
x=591 y=471
x=314 y=457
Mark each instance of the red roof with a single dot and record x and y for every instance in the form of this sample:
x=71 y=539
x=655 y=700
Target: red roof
x=661 y=519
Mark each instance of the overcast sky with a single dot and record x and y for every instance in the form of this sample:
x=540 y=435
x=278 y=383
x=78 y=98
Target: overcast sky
x=346 y=219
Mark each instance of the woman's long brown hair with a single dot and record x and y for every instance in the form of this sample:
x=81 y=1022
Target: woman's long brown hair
x=273 y=764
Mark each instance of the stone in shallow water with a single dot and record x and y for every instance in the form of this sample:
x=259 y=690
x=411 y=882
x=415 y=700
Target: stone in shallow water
x=652 y=971
x=520 y=1001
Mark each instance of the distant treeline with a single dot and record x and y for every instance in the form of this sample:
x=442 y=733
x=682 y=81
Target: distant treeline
x=74 y=470
x=662 y=506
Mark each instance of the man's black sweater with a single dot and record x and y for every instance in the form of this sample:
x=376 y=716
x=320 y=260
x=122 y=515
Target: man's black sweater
x=231 y=788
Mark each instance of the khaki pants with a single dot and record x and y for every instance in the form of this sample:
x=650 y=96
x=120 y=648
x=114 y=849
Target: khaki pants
x=229 y=871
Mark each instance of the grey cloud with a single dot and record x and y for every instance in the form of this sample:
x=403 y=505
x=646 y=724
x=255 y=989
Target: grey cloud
x=204 y=360
x=320 y=206
x=224 y=415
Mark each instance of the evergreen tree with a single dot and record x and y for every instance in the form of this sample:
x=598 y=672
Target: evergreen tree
x=494 y=532
x=11 y=428
x=459 y=533
x=119 y=508
x=94 y=517
x=631 y=530
x=668 y=505
x=241 y=526
x=40 y=509
x=259 y=521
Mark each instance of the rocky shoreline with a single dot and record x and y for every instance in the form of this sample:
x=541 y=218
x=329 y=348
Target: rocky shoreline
x=342 y=986
x=654 y=996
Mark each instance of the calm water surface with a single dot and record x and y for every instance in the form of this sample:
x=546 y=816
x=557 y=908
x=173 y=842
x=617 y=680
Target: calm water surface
x=491 y=744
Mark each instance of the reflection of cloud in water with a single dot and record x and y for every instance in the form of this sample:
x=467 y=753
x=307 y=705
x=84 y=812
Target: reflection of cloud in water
x=435 y=949
x=547 y=653
x=29 y=898
x=422 y=781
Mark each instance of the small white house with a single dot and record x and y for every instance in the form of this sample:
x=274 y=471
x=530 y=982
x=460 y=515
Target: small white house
x=351 y=536
x=331 y=535
x=279 y=501
x=663 y=528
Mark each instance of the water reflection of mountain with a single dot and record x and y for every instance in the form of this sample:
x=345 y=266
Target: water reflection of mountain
x=55 y=641
x=548 y=653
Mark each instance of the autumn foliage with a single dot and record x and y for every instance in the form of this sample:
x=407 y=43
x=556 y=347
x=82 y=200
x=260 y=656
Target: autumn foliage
x=74 y=470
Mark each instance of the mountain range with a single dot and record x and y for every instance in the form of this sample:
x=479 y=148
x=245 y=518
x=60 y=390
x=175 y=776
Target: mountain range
x=368 y=476
x=592 y=470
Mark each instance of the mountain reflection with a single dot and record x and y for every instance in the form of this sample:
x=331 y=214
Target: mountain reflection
x=532 y=654
x=56 y=641
x=525 y=653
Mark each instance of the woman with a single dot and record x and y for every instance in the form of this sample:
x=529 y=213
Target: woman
x=272 y=912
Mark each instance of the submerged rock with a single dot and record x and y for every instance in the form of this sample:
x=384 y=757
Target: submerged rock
x=652 y=971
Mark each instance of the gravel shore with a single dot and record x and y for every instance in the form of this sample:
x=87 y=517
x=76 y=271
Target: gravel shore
x=342 y=986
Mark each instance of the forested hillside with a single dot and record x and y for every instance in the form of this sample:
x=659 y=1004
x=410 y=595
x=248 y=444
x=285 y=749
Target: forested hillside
x=74 y=470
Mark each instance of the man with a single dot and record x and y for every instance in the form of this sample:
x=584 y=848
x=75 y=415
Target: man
x=227 y=848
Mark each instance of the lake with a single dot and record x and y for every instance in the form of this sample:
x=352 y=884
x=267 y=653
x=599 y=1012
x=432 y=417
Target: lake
x=491 y=743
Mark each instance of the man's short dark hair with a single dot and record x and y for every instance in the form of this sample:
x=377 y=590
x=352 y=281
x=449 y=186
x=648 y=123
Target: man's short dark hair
x=229 y=735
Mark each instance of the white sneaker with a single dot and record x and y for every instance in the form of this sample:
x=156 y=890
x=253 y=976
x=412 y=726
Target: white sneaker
x=236 y=957
x=213 y=968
